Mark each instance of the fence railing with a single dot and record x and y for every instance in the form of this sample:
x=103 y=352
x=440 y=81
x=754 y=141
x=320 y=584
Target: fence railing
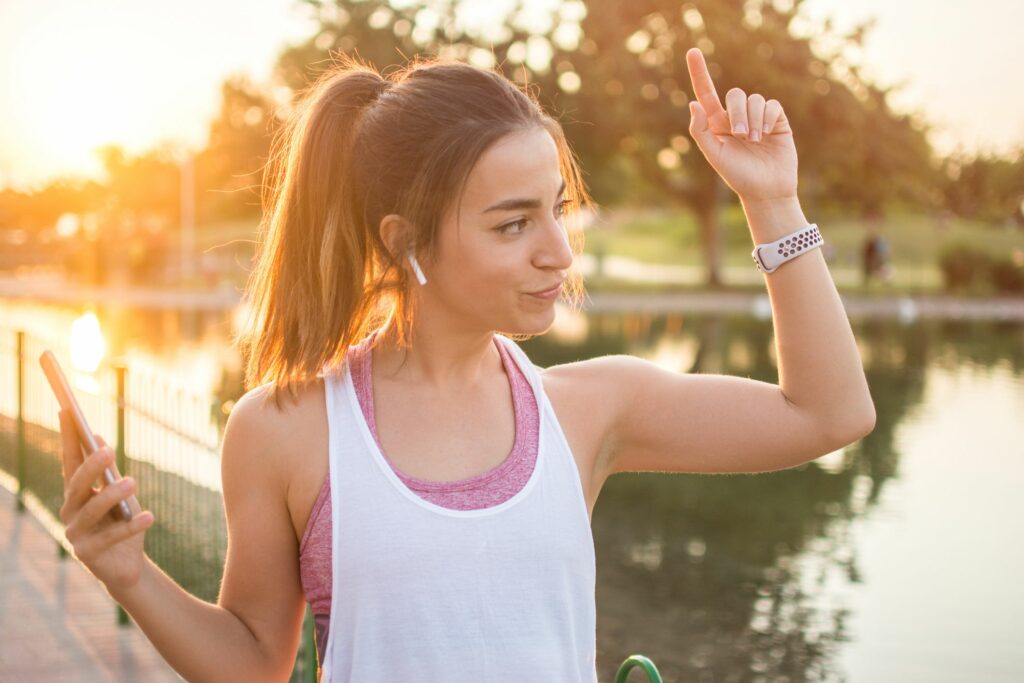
x=165 y=435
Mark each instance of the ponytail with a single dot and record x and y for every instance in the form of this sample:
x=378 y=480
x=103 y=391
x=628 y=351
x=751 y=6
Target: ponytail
x=307 y=287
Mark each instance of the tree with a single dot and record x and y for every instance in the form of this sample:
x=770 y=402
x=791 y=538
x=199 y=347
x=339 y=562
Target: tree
x=985 y=186
x=141 y=186
x=229 y=168
x=627 y=77
x=377 y=31
x=615 y=74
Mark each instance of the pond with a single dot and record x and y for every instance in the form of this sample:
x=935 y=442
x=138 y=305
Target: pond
x=895 y=558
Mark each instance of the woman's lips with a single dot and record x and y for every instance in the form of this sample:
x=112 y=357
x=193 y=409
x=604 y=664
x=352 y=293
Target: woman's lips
x=548 y=294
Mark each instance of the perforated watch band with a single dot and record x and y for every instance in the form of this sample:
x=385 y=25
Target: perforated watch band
x=768 y=257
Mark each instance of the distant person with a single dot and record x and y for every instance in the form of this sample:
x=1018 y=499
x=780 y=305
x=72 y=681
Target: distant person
x=875 y=257
x=884 y=259
x=398 y=462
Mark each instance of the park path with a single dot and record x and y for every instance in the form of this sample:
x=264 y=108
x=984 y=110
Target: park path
x=904 y=308
x=52 y=288
x=58 y=623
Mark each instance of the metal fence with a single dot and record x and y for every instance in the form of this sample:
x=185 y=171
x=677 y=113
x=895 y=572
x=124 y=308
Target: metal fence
x=165 y=435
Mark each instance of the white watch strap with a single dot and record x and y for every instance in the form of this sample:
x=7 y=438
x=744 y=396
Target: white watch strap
x=768 y=257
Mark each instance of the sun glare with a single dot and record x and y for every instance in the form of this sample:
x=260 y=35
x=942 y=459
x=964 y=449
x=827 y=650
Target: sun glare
x=75 y=99
x=87 y=344
x=75 y=112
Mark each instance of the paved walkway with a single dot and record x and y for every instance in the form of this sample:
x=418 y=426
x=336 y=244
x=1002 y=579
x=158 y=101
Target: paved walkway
x=57 y=621
x=904 y=308
x=51 y=287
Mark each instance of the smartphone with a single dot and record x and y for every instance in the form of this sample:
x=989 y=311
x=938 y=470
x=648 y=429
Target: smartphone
x=66 y=398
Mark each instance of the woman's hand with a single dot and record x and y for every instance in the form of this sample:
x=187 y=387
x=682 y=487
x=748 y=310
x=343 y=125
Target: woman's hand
x=107 y=545
x=749 y=143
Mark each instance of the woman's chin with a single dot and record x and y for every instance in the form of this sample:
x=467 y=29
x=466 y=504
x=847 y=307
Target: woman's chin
x=537 y=323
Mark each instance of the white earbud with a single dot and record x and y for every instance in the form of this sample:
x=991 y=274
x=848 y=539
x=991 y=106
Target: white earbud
x=416 y=266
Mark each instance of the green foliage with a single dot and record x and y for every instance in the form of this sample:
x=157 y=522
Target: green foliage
x=635 y=85
x=229 y=170
x=962 y=265
x=1007 y=276
x=986 y=187
x=966 y=267
x=629 y=61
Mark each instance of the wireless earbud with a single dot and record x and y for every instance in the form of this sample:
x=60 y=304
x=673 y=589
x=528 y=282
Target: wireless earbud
x=416 y=266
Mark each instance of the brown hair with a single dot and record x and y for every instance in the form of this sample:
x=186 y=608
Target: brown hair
x=357 y=147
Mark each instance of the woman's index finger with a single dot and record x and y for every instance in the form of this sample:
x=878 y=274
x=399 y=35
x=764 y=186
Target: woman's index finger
x=703 y=86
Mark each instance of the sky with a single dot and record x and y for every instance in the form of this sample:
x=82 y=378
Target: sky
x=141 y=74
x=959 y=60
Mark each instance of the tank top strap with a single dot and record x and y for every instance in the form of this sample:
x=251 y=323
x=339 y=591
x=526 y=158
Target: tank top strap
x=526 y=366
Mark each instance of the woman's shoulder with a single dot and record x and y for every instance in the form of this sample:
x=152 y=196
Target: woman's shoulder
x=259 y=404
x=279 y=431
x=584 y=387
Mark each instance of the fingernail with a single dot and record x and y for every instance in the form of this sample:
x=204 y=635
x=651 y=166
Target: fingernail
x=755 y=135
x=767 y=129
x=740 y=129
x=126 y=483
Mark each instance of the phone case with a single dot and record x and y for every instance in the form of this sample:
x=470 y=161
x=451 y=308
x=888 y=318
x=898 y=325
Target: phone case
x=66 y=398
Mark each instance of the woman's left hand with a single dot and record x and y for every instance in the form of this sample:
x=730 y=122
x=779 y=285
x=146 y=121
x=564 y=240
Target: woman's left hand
x=759 y=165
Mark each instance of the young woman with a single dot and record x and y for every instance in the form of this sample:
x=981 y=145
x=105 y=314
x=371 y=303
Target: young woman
x=399 y=462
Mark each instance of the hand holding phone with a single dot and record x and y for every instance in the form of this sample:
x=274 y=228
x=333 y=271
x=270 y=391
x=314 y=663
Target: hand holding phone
x=104 y=525
x=68 y=403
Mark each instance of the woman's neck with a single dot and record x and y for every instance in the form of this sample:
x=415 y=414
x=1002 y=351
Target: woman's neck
x=447 y=363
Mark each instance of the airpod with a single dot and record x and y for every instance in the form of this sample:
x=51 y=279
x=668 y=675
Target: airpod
x=416 y=266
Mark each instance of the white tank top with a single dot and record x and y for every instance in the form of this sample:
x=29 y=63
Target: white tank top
x=424 y=593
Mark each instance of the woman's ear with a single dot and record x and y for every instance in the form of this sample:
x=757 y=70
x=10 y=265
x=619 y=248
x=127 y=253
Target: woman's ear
x=396 y=233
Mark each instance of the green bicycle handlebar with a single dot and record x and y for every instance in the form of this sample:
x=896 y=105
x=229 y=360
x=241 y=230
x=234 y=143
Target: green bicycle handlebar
x=644 y=663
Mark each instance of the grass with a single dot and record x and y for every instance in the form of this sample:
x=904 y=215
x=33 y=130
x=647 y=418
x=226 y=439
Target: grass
x=670 y=237
x=916 y=241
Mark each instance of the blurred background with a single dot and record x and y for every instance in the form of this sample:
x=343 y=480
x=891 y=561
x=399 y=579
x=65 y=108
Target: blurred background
x=131 y=155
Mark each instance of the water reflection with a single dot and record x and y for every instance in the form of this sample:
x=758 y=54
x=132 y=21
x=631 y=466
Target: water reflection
x=759 y=577
x=87 y=344
x=871 y=562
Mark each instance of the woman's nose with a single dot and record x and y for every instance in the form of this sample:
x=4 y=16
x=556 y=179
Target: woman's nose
x=556 y=251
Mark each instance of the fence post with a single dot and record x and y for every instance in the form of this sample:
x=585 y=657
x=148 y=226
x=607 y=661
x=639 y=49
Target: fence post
x=122 y=460
x=21 y=450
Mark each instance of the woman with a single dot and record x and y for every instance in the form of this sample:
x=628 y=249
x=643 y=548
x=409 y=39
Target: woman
x=400 y=463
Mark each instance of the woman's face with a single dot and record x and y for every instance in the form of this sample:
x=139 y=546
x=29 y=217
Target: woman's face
x=505 y=241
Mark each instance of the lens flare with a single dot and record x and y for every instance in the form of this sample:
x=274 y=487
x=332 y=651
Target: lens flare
x=87 y=344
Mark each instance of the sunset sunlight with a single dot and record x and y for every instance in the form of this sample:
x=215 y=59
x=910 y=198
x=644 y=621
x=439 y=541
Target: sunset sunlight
x=570 y=336
x=88 y=347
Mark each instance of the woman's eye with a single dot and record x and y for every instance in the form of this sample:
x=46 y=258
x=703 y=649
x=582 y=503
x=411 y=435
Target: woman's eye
x=506 y=229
